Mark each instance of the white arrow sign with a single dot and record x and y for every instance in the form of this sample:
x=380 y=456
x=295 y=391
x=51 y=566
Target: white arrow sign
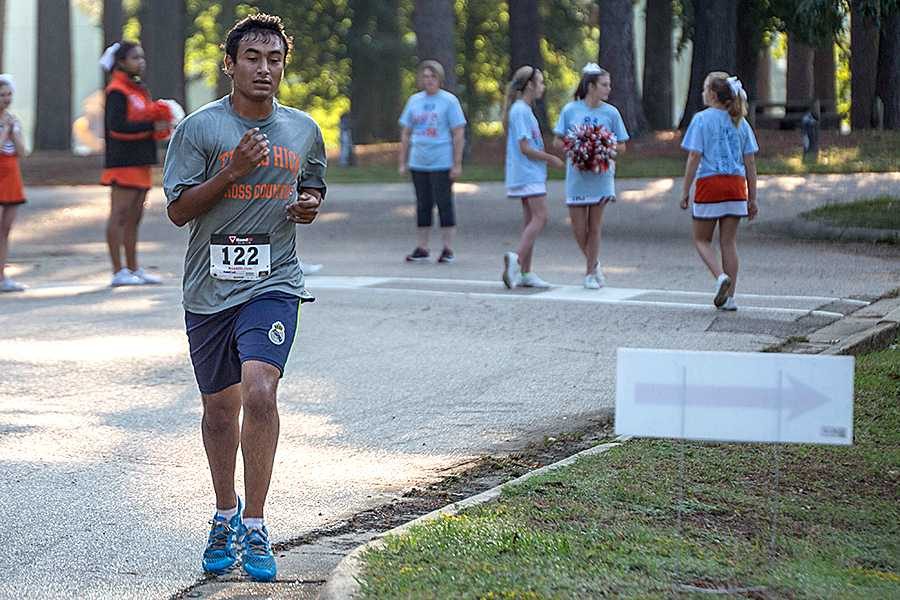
x=733 y=396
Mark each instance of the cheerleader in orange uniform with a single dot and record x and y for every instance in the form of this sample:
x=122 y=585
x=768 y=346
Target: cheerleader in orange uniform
x=134 y=123
x=11 y=192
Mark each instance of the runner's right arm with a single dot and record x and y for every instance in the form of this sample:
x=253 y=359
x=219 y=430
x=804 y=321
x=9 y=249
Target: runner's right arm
x=197 y=200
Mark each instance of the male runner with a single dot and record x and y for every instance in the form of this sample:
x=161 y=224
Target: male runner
x=242 y=171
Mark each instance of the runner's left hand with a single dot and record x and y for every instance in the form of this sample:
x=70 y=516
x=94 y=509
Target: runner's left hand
x=304 y=209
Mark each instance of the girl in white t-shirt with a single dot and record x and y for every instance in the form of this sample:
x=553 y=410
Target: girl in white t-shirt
x=721 y=148
x=526 y=172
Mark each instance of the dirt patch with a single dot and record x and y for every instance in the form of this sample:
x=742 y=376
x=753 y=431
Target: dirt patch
x=469 y=480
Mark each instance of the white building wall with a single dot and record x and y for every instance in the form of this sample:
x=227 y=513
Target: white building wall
x=20 y=59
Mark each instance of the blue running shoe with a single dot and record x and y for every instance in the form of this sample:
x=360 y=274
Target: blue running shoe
x=257 y=558
x=221 y=547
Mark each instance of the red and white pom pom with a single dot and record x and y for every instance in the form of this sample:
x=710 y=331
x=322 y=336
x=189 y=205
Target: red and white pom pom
x=590 y=147
x=176 y=110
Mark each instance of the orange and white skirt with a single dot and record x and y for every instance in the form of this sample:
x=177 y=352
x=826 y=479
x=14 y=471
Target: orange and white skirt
x=720 y=196
x=11 y=189
x=139 y=177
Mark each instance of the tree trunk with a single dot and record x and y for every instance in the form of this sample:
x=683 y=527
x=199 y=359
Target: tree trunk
x=714 y=48
x=375 y=51
x=799 y=70
x=748 y=49
x=2 y=31
x=824 y=68
x=888 y=82
x=525 y=45
x=658 y=56
x=163 y=27
x=617 y=57
x=435 y=25
x=224 y=22
x=53 y=130
x=863 y=66
x=113 y=21
x=763 y=72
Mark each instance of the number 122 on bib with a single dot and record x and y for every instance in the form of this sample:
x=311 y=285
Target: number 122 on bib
x=239 y=257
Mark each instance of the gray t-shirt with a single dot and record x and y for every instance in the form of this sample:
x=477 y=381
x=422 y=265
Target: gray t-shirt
x=253 y=205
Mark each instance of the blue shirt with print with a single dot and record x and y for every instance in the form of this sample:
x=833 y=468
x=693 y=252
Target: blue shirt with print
x=523 y=125
x=584 y=185
x=431 y=119
x=721 y=145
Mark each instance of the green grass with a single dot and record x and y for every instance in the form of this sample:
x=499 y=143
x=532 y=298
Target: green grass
x=882 y=212
x=607 y=526
x=633 y=167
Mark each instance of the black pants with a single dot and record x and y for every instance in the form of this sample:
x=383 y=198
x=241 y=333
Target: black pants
x=433 y=187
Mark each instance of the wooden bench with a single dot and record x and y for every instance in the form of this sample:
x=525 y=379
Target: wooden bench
x=787 y=115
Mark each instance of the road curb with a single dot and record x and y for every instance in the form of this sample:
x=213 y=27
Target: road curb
x=800 y=227
x=877 y=335
x=343 y=582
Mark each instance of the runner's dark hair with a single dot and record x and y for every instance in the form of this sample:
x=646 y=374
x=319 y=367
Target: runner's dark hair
x=125 y=46
x=258 y=24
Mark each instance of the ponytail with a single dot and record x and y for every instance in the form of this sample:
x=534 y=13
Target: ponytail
x=514 y=88
x=588 y=78
x=730 y=93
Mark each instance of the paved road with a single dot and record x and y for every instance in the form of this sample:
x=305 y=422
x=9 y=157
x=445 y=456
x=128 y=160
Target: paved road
x=400 y=372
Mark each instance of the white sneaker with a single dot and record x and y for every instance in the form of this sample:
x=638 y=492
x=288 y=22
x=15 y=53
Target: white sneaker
x=729 y=304
x=590 y=282
x=598 y=274
x=512 y=273
x=722 y=285
x=8 y=285
x=146 y=278
x=533 y=281
x=125 y=277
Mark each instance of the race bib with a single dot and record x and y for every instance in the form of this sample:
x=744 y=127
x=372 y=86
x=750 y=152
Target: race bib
x=239 y=257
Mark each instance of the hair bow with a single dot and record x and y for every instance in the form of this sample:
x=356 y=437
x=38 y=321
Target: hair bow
x=592 y=69
x=737 y=88
x=108 y=59
x=7 y=80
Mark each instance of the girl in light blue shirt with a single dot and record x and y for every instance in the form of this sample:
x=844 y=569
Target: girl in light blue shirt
x=526 y=172
x=587 y=193
x=722 y=168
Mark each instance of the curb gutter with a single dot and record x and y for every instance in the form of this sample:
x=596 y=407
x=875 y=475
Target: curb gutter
x=343 y=582
x=802 y=228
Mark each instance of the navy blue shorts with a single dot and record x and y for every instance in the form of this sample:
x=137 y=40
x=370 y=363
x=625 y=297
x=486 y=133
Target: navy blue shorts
x=260 y=329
